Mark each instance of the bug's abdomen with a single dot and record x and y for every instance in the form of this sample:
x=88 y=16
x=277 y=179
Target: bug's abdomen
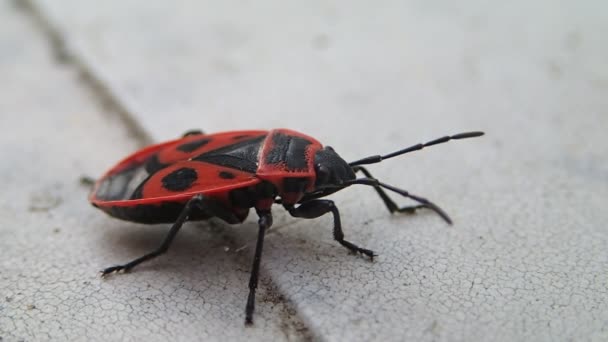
x=168 y=211
x=151 y=213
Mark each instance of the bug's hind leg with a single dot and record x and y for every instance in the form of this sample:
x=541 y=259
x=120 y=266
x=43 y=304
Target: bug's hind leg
x=390 y=204
x=198 y=202
x=183 y=216
x=317 y=208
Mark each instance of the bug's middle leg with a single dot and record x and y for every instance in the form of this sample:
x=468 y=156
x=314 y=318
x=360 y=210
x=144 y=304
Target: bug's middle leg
x=320 y=207
x=264 y=222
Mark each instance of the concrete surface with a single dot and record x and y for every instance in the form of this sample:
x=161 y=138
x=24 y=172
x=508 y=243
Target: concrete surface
x=53 y=242
x=525 y=260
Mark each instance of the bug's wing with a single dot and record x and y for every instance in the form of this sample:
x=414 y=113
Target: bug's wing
x=128 y=176
x=192 y=146
x=155 y=157
x=178 y=181
x=193 y=177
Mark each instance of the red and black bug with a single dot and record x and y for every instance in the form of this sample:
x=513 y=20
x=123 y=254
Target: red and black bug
x=225 y=174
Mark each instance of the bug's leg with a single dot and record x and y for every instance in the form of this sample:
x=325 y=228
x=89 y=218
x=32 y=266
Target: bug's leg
x=183 y=216
x=390 y=204
x=425 y=202
x=192 y=132
x=264 y=222
x=317 y=208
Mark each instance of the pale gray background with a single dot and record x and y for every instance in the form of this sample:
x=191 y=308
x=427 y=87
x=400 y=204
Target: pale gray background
x=83 y=83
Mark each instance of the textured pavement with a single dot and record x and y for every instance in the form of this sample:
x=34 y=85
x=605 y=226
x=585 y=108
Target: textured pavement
x=83 y=84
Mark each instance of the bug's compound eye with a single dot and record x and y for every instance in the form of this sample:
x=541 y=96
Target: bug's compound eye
x=329 y=148
x=323 y=174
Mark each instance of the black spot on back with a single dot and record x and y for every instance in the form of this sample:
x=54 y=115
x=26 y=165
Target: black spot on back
x=226 y=175
x=180 y=179
x=242 y=155
x=193 y=145
x=289 y=150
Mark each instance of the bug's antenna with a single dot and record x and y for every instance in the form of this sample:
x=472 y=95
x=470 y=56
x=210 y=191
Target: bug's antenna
x=378 y=158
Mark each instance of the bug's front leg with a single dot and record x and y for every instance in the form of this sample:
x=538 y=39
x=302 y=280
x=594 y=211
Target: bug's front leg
x=320 y=207
x=390 y=204
x=264 y=222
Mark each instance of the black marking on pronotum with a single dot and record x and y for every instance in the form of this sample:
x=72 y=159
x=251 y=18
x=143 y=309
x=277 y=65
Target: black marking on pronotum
x=193 y=145
x=238 y=137
x=289 y=150
x=180 y=179
x=226 y=175
x=242 y=155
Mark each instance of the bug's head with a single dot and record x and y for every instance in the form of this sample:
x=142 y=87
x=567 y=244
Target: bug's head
x=331 y=170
